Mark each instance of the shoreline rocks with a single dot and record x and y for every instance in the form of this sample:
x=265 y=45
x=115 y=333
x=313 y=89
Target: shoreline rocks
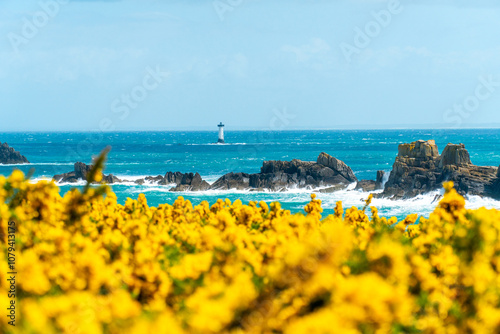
x=328 y=172
x=281 y=175
x=80 y=172
x=182 y=181
x=9 y=156
x=419 y=169
x=190 y=182
x=372 y=185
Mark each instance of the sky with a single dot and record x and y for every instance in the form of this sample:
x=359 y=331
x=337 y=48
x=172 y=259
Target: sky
x=97 y=65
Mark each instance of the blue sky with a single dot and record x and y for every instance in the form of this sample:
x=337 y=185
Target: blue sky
x=161 y=65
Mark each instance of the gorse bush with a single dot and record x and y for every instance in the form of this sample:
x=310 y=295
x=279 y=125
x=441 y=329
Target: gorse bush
x=87 y=264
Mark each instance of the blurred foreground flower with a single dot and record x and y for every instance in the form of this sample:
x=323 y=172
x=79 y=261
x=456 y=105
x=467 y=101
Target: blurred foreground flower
x=87 y=264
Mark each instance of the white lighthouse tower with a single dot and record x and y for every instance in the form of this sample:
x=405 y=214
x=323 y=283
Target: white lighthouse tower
x=221 y=133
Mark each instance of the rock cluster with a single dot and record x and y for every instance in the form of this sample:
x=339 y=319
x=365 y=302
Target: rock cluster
x=188 y=181
x=10 y=156
x=80 y=172
x=419 y=169
x=371 y=185
x=327 y=171
x=182 y=181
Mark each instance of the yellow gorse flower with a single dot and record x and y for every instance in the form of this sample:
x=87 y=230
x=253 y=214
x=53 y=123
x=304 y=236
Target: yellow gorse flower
x=87 y=264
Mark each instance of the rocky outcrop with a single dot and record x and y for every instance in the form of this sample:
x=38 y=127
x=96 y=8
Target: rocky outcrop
x=182 y=181
x=380 y=179
x=495 y=186
x=152 y=179
x=337 y=165
x=282 y=175
x=455 y=155
x=10 y=156
x=473 y=180
x=238 y=181
x=415 y=170
x=80 y=173
x=372 y=185
x=190 y=182
x=173 y=177
x=110 y=179
x=419 y=169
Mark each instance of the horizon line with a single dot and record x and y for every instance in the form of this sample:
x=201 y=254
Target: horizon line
x=254 y=130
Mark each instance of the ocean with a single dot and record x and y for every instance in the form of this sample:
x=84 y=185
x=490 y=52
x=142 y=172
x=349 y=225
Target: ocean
x=138 y=154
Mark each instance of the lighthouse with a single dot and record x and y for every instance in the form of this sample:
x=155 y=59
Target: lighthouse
x=221 y=133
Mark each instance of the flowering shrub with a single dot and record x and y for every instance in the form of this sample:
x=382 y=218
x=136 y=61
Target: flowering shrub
x=87 y=264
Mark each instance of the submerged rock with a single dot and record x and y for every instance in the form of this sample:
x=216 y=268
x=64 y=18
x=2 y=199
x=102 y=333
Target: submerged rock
x=333 y=189
x=10 y=156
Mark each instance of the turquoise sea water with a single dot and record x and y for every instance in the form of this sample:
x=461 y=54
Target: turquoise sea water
x=138 y=154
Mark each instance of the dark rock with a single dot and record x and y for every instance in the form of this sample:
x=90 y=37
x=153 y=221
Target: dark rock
x=188 y=182
x=366 y=185
x=472 y=180
x=337 y=165
x=380 y=179
x=282 y=175
x=81 y=170
x=419 y=169
x=66 y=177
x=370 y=185
x=160 y=180
x=80 y=173
x=173 y=177
x=237 y=181
x=495 y=188
x=155 y=179
x=110 y=179
x=198 y=183
x=182 y=181
x=10 y=156
x=332 y=189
